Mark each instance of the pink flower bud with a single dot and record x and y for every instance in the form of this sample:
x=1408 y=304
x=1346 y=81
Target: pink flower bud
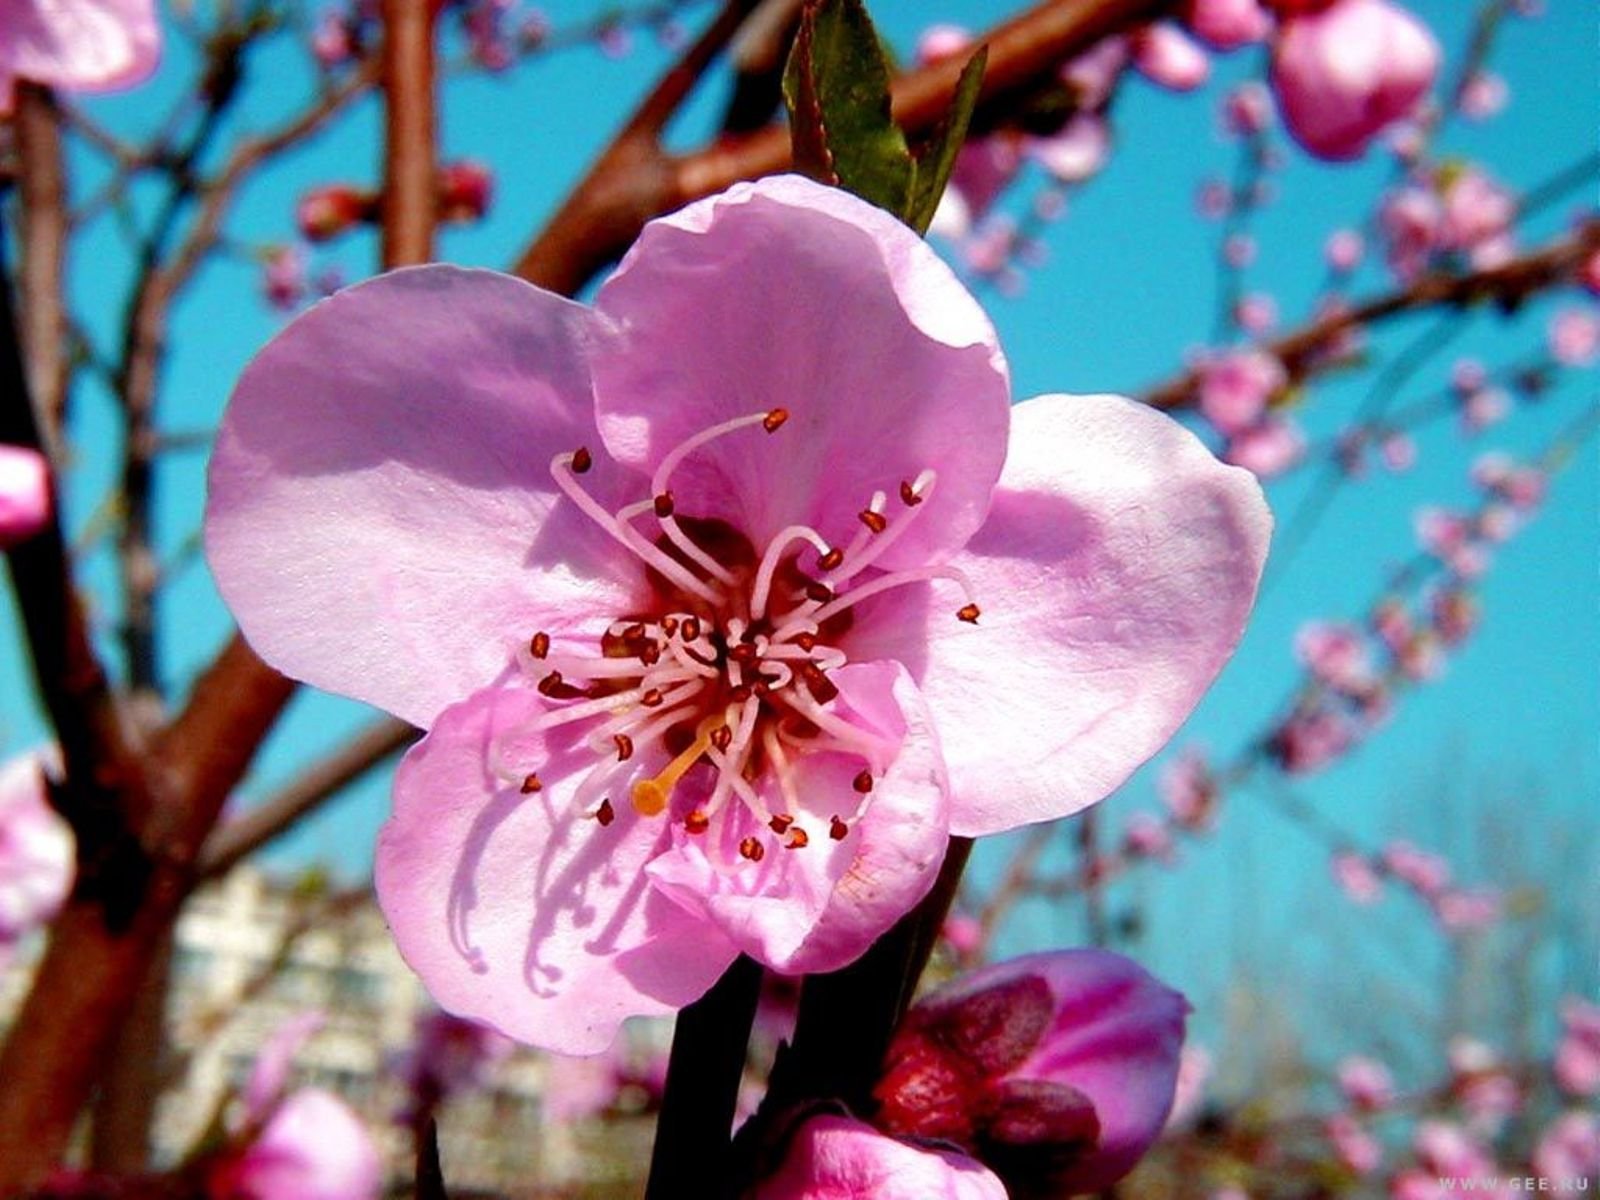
x=1056 y=1070
x=1164 y=54
x=24 y=494
x=1482 y=96
x=324 y=213
x=1343 y=250
x=1309 y=741
x=1575 y=337
x=1356 y=877
x=1427 y=873
x=1227 y=24
x=1247 y=109
x=1188 y=790
x=1269 y=448
x=942 y=41
x=836 y=1158
x=465 y=190
x=1343 y=72
x=36 y=848
x=1234 y=388
x=1355 y=1146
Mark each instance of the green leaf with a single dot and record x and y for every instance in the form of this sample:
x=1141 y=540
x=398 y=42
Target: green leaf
x=931 y=171
x=836 y=86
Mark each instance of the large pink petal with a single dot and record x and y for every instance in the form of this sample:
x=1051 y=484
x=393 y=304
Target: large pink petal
x=819 y=907
x=784 y=293
x=836 y=1158
x=84 y=45
x=382 y=519
x=519 y=910
x=1115 y=574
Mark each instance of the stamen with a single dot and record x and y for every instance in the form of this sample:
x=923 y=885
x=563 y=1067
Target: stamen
x=697 y=822
x=605 y=814
x=582 y=460
x=837 y=829
x=801 y=700
x=531 y=784
x=875 y=522
x=780 y=823
x=798 y=839
x=539 y=646
x=969 y=613
x=624 y=745
x=780 y=767
x=563 y=469
x=617 y=701
x=862 y=782
x=675 y=534
x=831 y=559
x=883 y=583
x=752 y=849
x=760 y=592
x=862 y=557
x=770 y=421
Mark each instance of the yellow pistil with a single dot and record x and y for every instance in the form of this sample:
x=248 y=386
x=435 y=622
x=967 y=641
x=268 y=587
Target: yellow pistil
x=650 y=796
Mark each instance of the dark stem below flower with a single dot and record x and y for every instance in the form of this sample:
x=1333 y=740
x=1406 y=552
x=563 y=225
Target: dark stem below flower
x=693 y=1132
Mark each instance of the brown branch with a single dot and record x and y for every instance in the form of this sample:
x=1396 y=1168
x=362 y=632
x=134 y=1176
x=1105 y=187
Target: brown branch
x=410 y=185
x=324 y=779
x=42 y=185
x=1304 y=350
x=635 y=180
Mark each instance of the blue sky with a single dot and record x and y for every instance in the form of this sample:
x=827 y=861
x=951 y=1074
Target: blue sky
x=1127 y=289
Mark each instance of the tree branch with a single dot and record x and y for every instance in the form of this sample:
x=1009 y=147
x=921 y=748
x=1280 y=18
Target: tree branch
x=410 y=185
x=42 y=185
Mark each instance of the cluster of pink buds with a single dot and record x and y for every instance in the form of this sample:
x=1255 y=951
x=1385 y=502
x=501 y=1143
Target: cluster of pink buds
x=1446 y=218
x=1577 y=1062
x=344 y=33
x=1424 y=874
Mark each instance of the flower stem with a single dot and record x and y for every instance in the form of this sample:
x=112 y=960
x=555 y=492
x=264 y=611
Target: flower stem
x=694 y=1131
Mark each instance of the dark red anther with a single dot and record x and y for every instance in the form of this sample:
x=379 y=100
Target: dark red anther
x=752 y=849
x=822 y=688
x=624 y=745
x=605 y=814
x=663 y=505
x=651 y=698
x=634 y=632
x=743 y=653
x=539 y=647
x=780 y=824
x=722 y=737
x=531 y=784
x=690 y=629
x=557 y=688
x=969 y=613
x=862 y=782
x=798 y=839
x=837 y=829
x=697 y=822
x=831 y=559
x=874 y=521
x=908 y=495
x=806 y=641
x=760 y=688
x=774 y=420
x=669 y=626
x=740 y=694
x=820 y=592
x=582 y=460
x=651 y=654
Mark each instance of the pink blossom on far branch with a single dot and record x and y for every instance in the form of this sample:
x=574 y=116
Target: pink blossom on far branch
x=81 y=46
x=870 y=634
x=24 y=494
x=1344 y=72
x=36 y=849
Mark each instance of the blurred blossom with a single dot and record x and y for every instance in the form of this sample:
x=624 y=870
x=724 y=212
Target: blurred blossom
x=487 y=41
x=1577 y=1058
x=1344 y=250
x=1482 y=408
x=1575 y=337
x=1247 y=108
x=1476 y=213
x=326 y=212
x=1483 y=95
x=1235 y=386
x=1522 y=487
x=1256 y=313
x=283 y=277
x=1392 y=622
x=312 y=1147
x=447 y=1055
x=1056 y=1070
x=24 y=494
x=1309 y=741
x=1345 y=71
x=1147 y=836
x=836 y=1158
x=465 y=190
x=941 y=41
x=1092 y=75
x=1454 y=615
x=36 y=848
x=1409 y=218
x=333 y=40
x=82 y=46
x=963 y=934
x=1214 y=199
x=1398 y=452
x=1075 y=153
x=1569 y=1147
x=578 y=1089
x=1164 y=54
x=1268 y=448
x=1366 y=1084
x=614 y=40
x=1239 y=250
x=1195 y=1066
x=1444 y=1148
x=1188 y=790
x=1354 y=1144
x=1427 y=873
x=1356 y=877
x=1336 y=655
x=1227 y=24
x=1462 y=910
x=269 y=1077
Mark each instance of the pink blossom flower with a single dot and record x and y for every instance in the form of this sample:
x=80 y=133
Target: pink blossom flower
x=1483 y=95
x=942 y=41
x=1091 y=76
x=86 y=46
x=1309 y=741
x=311 y=1148
x=1392 y=622
x=1366 y=1083
x=36 y=848
x=1074 y=153
x=1354 y=1144
x=1267 y=448
x=1347 y=71
x=1227 y=24
x=1482 y=408
x=1398 y=452
x=1356 y=877
x=1164 y=54
x=1489 y=1099
x=1147 y=836
x=1575 y=337
x=465 y=190
x=1336 y=654
x=963 y=933
x=1476 y=211
x=836 y=1158
x=1569 y=1148
x=325 y=212
x=1235 y=386
x=1462 y=909
x=1409 y=218
x=487 y=41
x=1444 y=1148
x=1058 y=1070
x=1455 y=614
x=1427 y=873
x=1213 y=199
x=984 y=168
x=332 y=41
x=24 y=494
x=1343 y=250
x=1256 y=313
x=1247 y=109
x=751 y=728
x=1189 y=790
x=1577 y=1058
x=283 y=277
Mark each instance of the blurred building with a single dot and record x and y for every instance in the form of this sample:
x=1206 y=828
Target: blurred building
x=251 y=952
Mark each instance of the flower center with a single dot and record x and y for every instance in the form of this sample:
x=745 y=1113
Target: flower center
x=730 y=667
